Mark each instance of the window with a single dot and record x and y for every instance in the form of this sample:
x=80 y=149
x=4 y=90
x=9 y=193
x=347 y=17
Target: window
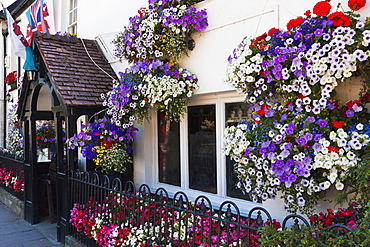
x=169 y=150
x=72 y=18
x=202 y=148
x=189 y=152
x=234 y=113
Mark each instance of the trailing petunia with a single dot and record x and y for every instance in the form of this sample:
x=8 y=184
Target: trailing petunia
x=302 y=139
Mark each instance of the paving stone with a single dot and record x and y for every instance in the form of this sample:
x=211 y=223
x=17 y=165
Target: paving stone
x=16 y=232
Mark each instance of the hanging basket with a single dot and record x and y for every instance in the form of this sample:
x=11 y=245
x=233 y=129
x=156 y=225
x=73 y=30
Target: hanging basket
x=13 y=86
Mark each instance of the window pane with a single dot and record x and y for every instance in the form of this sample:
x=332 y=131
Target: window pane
x=202 y=148
x=234 y=113
x=169 y=150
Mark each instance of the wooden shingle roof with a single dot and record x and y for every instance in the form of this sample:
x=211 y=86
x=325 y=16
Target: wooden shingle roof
x=79 y=81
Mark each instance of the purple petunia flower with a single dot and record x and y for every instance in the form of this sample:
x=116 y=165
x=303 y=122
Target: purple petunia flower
x=350 y=113
x=289 y=163
x=278 y=171
x=307 y=160
x=289 y=131
x=301 y=141
x=287 y=145
x=283 y=117
x=271 y=147
x=310 y=119
x=318 y=32
x=284 y=178
x=308 y=136
x=279 y=163
x=292 y=178
x=322 y=123
x=285 y=153
x=357 y=108
x=300 y=171
x=317 y=147
x=317 y=137
x=269 y=113
x=265 y=144
x=290 y=107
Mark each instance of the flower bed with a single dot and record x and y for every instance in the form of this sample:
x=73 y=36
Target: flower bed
x=341 y=228
x=302 y=140
x=10 y=180
x=132 y=221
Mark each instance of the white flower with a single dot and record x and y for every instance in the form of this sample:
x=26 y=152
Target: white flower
x=360 y=126
x=339 y=185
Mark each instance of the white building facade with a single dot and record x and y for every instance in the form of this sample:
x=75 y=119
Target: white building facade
x=197 y=164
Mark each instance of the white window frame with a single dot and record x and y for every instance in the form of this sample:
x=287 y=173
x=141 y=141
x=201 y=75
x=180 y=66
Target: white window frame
x=72 y=10
x=219 y=100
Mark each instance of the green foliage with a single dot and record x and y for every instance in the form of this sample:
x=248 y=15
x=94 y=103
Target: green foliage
x=358 y=182
x=318 y=236
x=288 y=237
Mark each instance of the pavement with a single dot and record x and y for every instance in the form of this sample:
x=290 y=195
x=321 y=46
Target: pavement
x=16 y=232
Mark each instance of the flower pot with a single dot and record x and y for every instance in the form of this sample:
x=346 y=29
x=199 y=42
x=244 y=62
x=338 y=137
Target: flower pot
x=13 y=86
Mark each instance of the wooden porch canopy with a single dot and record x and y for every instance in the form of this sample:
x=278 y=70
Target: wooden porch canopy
x=71 y=75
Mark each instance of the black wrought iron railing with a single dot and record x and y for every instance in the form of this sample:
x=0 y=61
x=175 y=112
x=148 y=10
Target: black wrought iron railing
x=107 y=213
x=12 y=173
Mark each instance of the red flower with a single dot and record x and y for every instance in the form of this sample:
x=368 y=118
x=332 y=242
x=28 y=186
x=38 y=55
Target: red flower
x=333 y=149
x=289 y=139
x=365 y=98
x=96 y=134
x=351 y=103
x=339 y=19
x=259 y=38
x=11 y=77
x=337 y=124
x=141 y=12
x=322 y=8
x=301 y=96
x=293 y=23
x=308 y=13
x=356 y=4
x=272 y=31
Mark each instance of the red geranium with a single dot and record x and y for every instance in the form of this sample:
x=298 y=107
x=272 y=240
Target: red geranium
x=356 y=4
x=272 y=31
x=339 y=19
x=293 y=23
x=308 y=13
x=322 y=8
x=259 y=38
x=337 y=124
x=11 y=77
x=351 y=103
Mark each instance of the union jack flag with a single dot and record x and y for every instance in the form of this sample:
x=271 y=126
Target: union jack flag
x=39 y=18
